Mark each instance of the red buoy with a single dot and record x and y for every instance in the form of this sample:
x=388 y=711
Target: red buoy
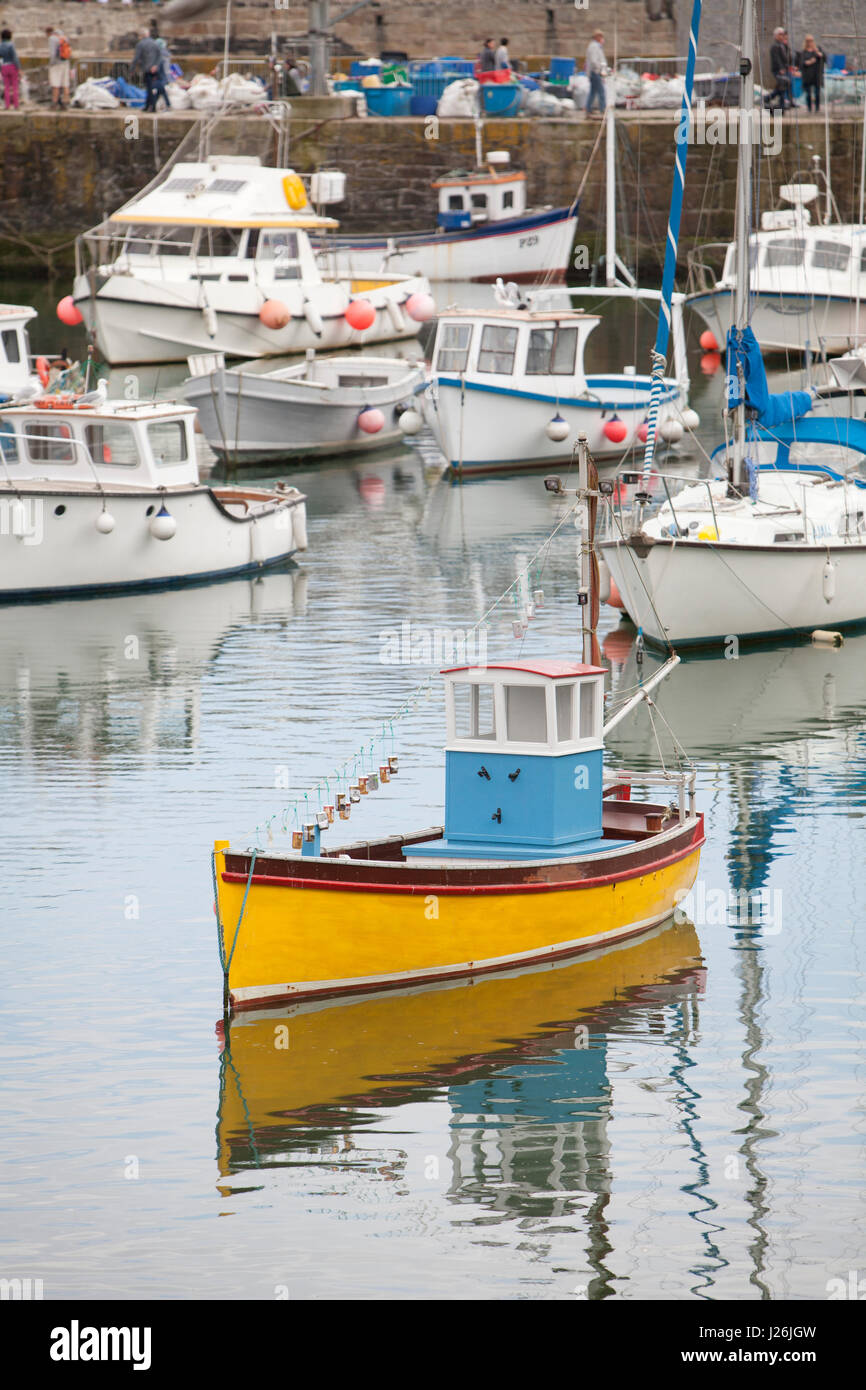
x=360 y=314
x=615 y=430
x=708 y=341
x=68 y=313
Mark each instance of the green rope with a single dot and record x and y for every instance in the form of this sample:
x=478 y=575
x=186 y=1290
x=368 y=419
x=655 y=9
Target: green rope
x=226 y=962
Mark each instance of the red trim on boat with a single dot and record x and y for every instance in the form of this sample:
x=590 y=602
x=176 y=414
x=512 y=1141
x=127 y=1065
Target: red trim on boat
x=481 y=890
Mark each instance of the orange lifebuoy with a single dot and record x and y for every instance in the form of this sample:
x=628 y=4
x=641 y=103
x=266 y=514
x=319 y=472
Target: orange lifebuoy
x=42 y=369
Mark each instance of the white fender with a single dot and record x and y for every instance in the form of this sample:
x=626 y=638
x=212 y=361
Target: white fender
x=314 y=318
x=299 y=526
x=828 y=580
x=395 y=314
x=210 y=321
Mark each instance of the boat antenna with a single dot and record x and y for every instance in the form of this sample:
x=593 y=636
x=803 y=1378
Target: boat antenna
x=663 y=329
x=588 y=593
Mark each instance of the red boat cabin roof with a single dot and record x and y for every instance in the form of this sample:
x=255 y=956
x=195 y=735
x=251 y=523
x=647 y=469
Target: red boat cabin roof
x=554 y=670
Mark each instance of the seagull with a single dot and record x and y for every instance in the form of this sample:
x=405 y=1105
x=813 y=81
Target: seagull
x=97 y=397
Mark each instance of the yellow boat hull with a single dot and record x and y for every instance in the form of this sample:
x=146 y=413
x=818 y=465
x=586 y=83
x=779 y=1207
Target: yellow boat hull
x=299 y=937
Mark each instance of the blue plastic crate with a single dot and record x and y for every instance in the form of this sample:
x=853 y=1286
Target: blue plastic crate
x=389 y=101
x=364 y=68
x=454 y=221
x=561 y=69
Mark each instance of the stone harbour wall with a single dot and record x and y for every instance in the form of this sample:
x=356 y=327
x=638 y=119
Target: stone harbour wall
x=62 y=174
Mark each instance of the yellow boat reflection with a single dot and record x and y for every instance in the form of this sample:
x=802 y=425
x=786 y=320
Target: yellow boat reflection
x=283 y=1069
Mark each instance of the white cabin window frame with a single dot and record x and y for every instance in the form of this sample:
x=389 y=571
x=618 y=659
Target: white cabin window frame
x=584 y=736
x=829 y=254
x=453 y=356
x=500 y=354
x=567 y=331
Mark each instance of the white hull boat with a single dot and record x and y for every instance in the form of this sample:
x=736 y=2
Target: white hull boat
x=509 y=390
x=786 y=320
x=710 y=566
x=104 y=496
x=217 y=257
x=16 y=373
x=319 y=408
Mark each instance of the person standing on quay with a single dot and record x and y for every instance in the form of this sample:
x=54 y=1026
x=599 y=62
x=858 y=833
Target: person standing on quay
x=147 y=59
x=10 y=66
x=810 y=64
x=58 y=67
x=501 y=57
x=781 y=63
x=596 y=67
x=487 y=57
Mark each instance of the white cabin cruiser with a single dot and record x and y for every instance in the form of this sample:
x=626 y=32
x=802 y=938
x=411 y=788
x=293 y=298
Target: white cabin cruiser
x=217 y=257
x=100 y=495
x=509 y=390
x=484 y=230
x=806 y=281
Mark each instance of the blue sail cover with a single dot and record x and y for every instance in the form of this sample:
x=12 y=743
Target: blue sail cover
x=778 y=409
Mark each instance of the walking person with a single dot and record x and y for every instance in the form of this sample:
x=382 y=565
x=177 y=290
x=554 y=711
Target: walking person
x=596 y=67
x=811 y=61
x=59 y=54
x=10 y=67
x=781 y=66
x=501 y=57
x=147 y=59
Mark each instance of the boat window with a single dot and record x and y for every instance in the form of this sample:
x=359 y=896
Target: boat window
x=479 y=201
x=474 y=715
x=220 y=241
x=8 y=442
x=50 y=443
x=455 y=202
x=252 y=242
x=278 y=255
x=863 y=261
x=564 y=713
x=453 y=347
x=525 y=714
x=361 y=382
x=508 y=198
x=139 y=241
x=112 y=442
x=587 y=710
x=10 y=345
x=168 y=441
x=831 y=255
x=175 y=241
x=787 y=251
x=498 y=346
x=551 y=351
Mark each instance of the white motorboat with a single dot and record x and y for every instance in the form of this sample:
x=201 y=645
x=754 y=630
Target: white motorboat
x=509 y=390
x=216 y=256
x=806 y=281
x=318 y=408
x=484 y=230
x=105 y=495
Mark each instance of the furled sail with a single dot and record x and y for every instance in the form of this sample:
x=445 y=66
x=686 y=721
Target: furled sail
x=772 y=409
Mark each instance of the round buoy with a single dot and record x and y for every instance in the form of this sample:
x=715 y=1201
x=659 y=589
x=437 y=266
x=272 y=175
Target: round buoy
x=690 y=418
x=68 y=313
x=557 y=429
x=708 y=341
x=615 y=430
x=410 y=421
x=274 y=314
x=710 y=363
x=671 y=431
x=420 y=307
x=105 y=523
x=643 y=431
x=360 y=314
x=371 y=421
x=163 y=526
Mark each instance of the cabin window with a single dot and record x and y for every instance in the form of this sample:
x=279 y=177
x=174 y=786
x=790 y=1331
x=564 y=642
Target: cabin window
x=787 y=251
x=453 y=350
x=479 y=202
x=564 y=713
x=278 y=255
x=498 y=346
x=10 y=345
x=455 y=202
x=220 y=241
x=168 y=441
x=8 y=442
x=508 y=198
x=50 y=443
x=525 y=714
x=831 y=255
x=551 y=351
x=176 y=241
x=586 y=725
x=863 y=262
x=474 y=713
x=112 y=443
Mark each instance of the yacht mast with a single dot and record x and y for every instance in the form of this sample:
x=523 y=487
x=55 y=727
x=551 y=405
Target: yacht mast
x=744 y=216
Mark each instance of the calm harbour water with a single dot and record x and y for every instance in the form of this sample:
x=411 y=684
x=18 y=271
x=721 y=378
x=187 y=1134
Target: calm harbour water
x=707 y=1142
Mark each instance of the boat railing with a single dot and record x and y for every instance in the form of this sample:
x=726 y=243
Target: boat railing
x=684 y=782
x=630 y=478
x=702 y=275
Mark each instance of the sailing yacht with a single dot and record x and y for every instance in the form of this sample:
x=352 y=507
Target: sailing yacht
x=775 y=543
